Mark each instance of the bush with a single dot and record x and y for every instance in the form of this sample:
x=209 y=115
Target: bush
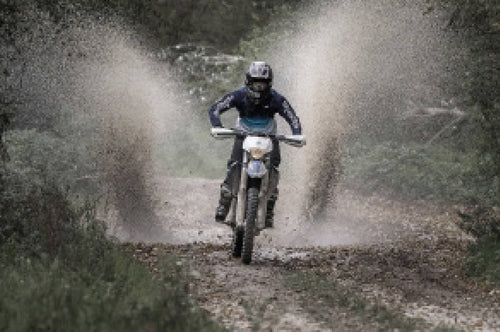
x=40 y=184
x=428 y=172
x=58 y=269
x=59 y=272
x=483 y=262
x=106 y=292
x=38 y=158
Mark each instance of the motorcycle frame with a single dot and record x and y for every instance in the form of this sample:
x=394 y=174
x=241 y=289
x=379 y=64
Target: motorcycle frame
x=237 y=211
x=238 y=205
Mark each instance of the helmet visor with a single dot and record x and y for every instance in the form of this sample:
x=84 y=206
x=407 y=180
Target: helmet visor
x=259 y=86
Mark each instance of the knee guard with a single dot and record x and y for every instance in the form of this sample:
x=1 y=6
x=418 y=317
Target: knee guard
x=232 y=180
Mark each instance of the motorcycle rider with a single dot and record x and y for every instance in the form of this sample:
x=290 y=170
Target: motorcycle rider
x=256 y=103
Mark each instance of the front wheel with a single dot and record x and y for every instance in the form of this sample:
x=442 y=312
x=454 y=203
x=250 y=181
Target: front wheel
x=251 y=214
x=237 y=243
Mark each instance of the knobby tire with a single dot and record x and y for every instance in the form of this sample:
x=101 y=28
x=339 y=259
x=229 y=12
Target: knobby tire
x=251 y=215
x=237 y=243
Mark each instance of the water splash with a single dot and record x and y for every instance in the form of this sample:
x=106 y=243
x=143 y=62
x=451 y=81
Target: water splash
x=349 y=72
x=94 y=85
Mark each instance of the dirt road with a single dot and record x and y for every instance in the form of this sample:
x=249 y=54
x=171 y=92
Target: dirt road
x=372 y=264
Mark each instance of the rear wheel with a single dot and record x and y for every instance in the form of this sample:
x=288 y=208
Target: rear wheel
x=251 y=214
x=237 y=243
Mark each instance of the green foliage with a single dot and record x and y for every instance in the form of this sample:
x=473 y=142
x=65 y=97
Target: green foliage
x=483 y=262
x=36 y=210
x=479 y=23
x=481 y=222
x=429 y=172
x=43 y=157
x=59 y=270
x=169 y=22
x=263 y=37
x=207 y=73
x=106 y=291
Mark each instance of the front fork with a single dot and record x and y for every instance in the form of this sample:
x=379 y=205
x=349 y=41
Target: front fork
x=238 y=211
x=263 y=197
x=242 y=193
x=239 y=182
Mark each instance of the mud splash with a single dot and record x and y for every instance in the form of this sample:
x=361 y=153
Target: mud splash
x=349 y=72
x=136 y=100
x=90 y=82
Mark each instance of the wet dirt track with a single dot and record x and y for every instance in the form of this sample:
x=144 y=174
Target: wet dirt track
x=404 y=256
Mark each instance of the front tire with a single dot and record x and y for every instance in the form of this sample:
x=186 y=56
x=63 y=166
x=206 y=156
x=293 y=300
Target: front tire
x=237 y=243
x=251 y=215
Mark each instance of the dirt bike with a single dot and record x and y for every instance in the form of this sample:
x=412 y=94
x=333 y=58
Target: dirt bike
x=247 y=213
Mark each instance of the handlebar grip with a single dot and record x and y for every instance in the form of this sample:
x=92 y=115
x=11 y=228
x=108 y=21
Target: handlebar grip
x=294 y=140
x=220 y=132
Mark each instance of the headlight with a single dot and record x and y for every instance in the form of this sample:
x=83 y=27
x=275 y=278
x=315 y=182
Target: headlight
x=257 y=153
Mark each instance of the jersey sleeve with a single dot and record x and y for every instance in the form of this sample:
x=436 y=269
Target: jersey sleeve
x=288 y=113
x=225 y=103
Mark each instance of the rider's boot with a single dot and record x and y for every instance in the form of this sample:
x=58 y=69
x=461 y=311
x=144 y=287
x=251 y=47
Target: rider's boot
x=270 y=209
x=224 y=203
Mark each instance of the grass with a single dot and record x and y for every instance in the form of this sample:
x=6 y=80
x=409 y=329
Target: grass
x=334 y=295
x=255 y=312
x=112 y=293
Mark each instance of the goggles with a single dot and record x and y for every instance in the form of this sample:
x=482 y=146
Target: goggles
x=259 y=86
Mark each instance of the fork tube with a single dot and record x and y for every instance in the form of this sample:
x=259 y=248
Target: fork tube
x=262 y=209
x=242 y=194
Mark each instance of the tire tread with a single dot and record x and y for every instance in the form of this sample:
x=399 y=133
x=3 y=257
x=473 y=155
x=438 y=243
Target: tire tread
x=251 y=214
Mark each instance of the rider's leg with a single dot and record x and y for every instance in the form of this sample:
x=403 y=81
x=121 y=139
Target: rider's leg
x=224 y=203
x=234 y=165
x=275 y=161
x=229 y=187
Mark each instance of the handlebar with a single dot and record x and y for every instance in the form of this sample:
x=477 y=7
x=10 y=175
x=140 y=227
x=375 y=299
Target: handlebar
x=294 y=140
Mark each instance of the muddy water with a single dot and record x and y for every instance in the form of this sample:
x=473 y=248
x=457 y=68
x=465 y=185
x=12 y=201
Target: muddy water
x=350 y=71
x=186 y=209
x=404 y=255
x=411 y=263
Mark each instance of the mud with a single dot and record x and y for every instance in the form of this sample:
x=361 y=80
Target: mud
x=404 y=255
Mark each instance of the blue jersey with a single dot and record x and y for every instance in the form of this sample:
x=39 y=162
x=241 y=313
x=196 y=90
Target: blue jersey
x=238 y=99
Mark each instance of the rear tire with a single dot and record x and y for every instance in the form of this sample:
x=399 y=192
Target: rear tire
x=251 y=214
x=237 y=243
